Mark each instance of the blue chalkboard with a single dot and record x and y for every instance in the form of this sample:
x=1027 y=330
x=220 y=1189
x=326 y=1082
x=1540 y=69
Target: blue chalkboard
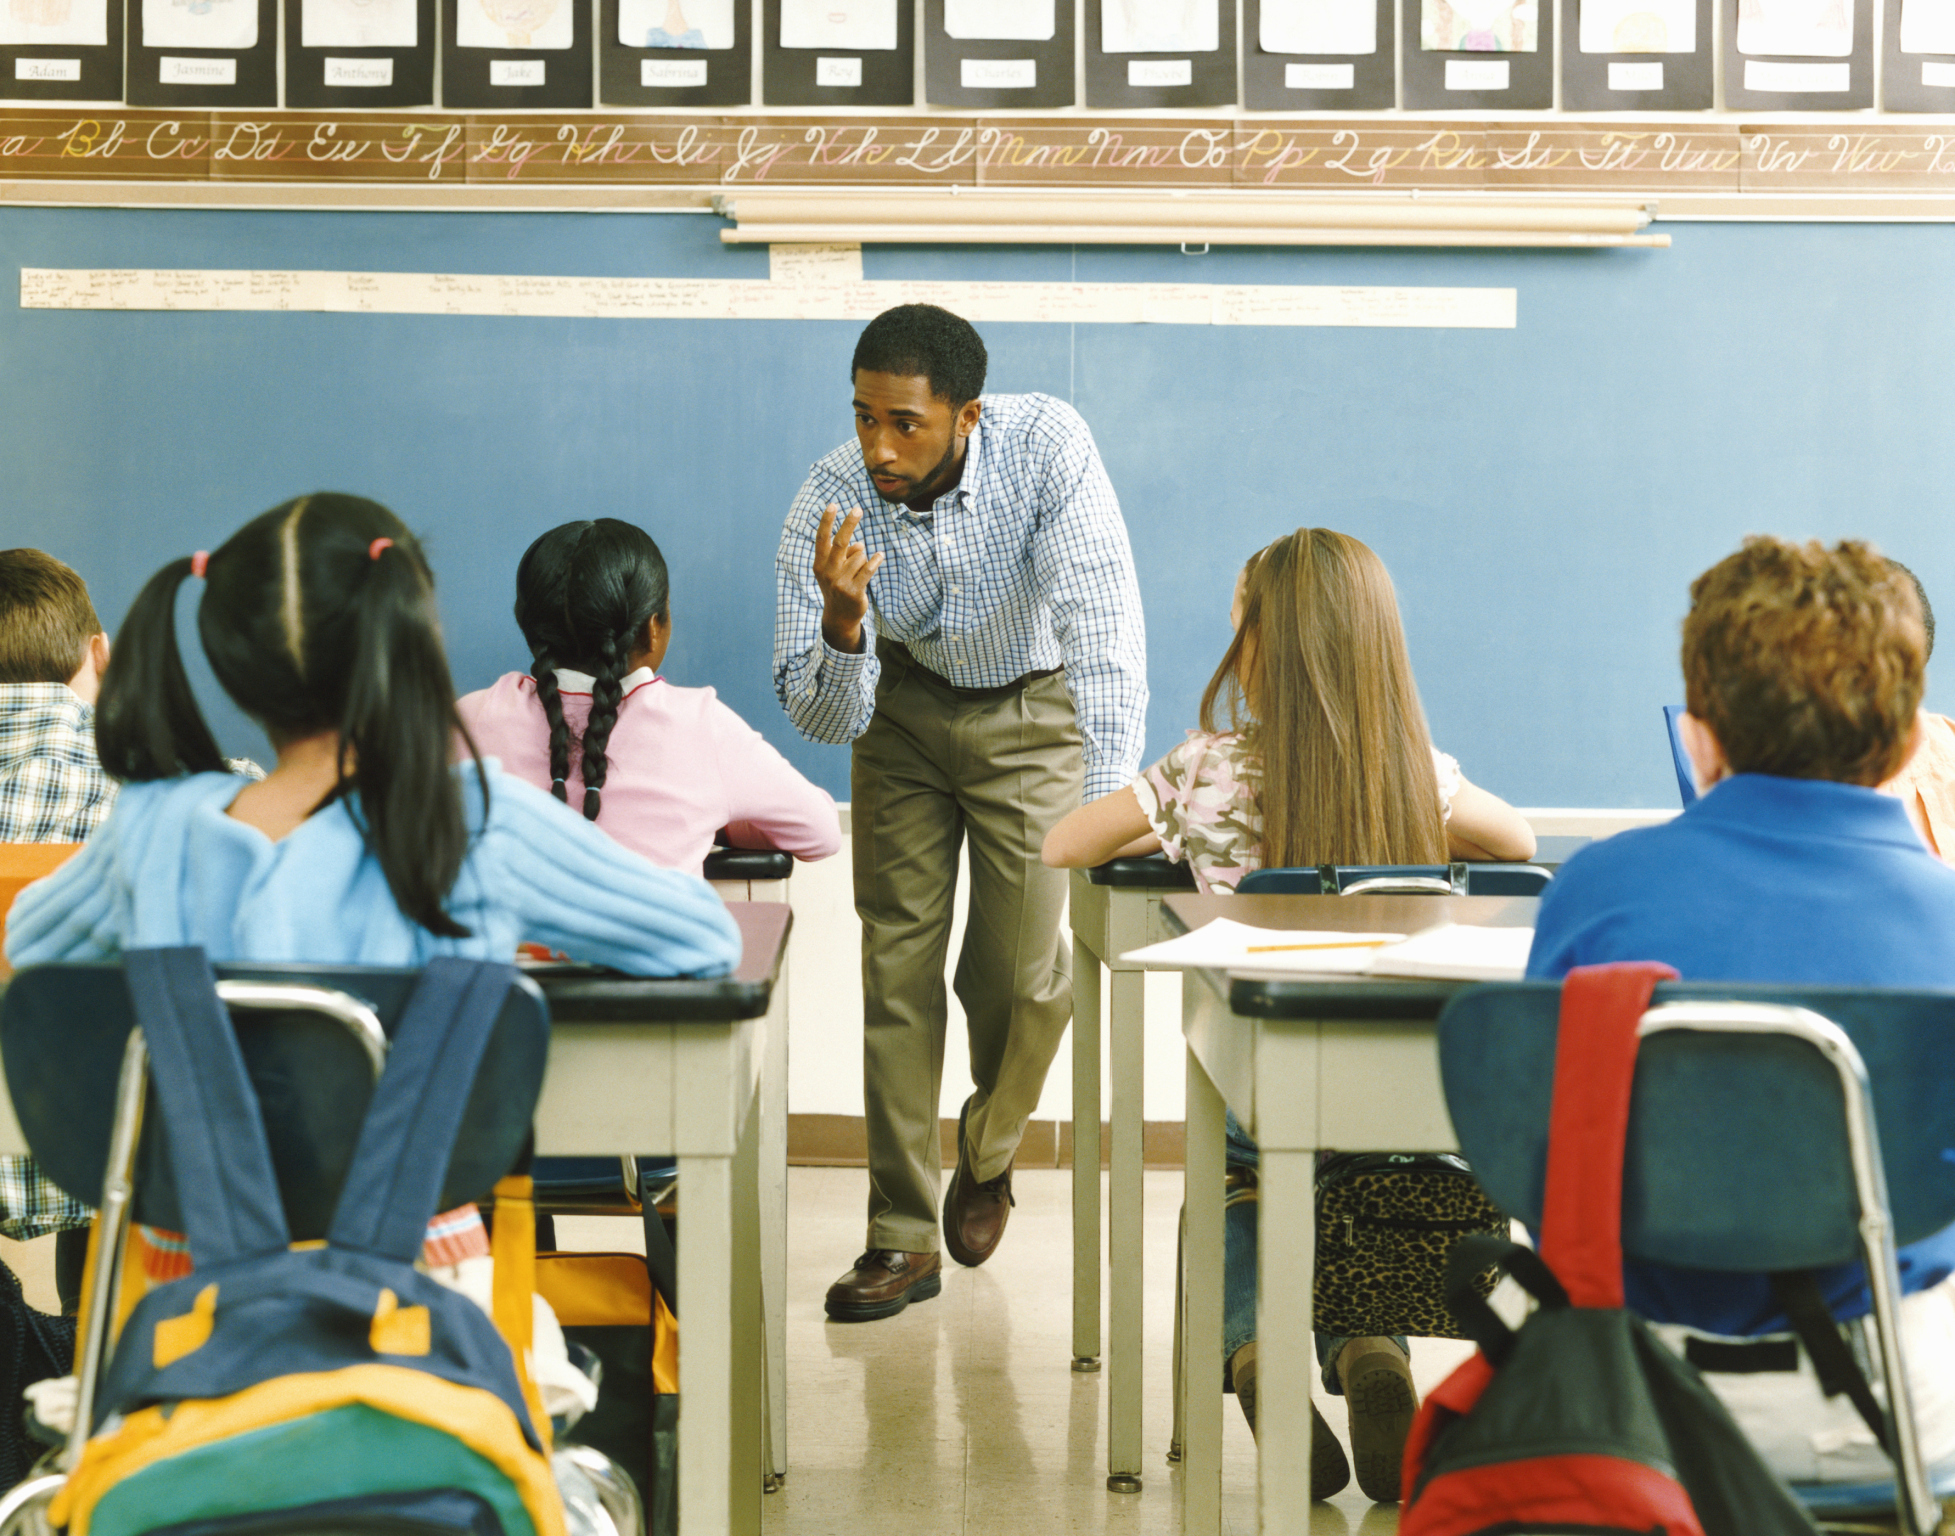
x=1542 y=495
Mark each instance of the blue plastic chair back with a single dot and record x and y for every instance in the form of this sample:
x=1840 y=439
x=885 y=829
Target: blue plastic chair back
x=1680 y=759
x=1737 y=1156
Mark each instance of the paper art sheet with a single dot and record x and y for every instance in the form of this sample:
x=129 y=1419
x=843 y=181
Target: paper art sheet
x=1030 y=21
x=1319 y=26
x=859 y=24
x=675 y=23
x=357 y=24
x=1479 y=26
x=1813 y=29
x=1160 y=26
x=510 y=23
x=77 y=23
x=1928 y=26
x=200 y=23
x=1639 y=26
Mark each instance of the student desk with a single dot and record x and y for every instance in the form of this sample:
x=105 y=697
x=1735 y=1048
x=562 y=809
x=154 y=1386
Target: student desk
x=1345 y=1062
x=1114 y=908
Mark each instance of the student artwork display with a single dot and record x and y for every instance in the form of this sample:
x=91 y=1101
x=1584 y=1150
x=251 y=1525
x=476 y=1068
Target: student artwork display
x=228 y=24
x=866 y=24
x=1318 y=26
x=676 y=24
x=358 y=24
x=1479 y=26
x=1928 y=26
x=1800 y=55
x=1639 y=26
x=1807 y=29
x=69 y=23
x=1160 y=26
x=1031 y=21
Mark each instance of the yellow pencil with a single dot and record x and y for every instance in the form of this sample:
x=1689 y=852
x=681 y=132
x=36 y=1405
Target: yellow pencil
x=1271 y=949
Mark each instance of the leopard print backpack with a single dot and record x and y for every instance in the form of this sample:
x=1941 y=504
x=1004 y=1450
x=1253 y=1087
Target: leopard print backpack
x=1385 y=1223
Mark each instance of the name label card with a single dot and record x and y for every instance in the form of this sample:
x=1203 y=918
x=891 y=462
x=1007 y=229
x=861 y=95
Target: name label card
x=366 y=72
x=1635 y=77
x=1476 y=74
x=672 y=72
x=175 y=71
x=998 y=74
x=47 y=69
x=1936 y=72
x=1160 y=72
x=1320 y=77
x=515 y=71
x=839 y=72
x=1764 y=75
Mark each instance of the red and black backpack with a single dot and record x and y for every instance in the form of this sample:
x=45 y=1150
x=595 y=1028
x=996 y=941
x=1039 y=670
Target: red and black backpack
x=1582 y=1421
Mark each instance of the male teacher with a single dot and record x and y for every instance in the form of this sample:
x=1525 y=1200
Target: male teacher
x=956 y=596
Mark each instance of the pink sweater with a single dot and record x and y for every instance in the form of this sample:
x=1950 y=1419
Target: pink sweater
x=682 y=766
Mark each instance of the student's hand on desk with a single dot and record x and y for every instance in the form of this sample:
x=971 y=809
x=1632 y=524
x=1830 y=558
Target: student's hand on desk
x=842 y=571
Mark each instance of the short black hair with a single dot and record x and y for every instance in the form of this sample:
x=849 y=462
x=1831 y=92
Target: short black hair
x=923 y=341
x=1927 y=608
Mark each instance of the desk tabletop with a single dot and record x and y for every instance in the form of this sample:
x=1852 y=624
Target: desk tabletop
x=1346 y=997
x=581 y=994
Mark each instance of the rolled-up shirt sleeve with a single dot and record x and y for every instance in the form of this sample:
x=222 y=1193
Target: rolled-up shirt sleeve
x=1083 y=562
x=829 y=695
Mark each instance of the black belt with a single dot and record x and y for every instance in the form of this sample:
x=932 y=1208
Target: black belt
x=897 y=651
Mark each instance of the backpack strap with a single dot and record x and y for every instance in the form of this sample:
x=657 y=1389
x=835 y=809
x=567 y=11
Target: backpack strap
x=214 y=1128
x=1595 y=1065
x=1797 y=1291
x=401 y=1160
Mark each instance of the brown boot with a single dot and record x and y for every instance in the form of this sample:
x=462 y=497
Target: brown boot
x=883 y=1282
x=1382 y=1401
x=1329 y=1471
x=975 y=1214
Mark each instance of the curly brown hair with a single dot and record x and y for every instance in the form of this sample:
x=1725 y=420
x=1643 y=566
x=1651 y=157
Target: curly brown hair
x=1806 y=662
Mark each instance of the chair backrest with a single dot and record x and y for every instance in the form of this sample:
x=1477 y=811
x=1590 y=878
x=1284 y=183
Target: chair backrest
x=21 y=864
x=63 y=1029
x=1152 y=872
x=1680 y=759
x=1397 y=880
x=1737 y=1155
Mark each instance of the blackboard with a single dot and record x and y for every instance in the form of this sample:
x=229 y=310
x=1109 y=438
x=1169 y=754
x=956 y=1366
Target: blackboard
x=1543 y=495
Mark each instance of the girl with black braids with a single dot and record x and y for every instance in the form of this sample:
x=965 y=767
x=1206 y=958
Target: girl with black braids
x=663 y=769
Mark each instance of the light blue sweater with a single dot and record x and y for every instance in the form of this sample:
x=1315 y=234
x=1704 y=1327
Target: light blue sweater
x=170 y=867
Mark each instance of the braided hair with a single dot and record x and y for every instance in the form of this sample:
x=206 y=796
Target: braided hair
x=584 y=593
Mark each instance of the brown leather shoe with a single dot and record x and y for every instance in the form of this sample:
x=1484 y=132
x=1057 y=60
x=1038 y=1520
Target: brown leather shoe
x=975 y=1214
x=883 y=1282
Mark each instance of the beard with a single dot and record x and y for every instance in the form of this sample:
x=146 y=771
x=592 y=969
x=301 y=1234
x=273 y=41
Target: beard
x=932 y=485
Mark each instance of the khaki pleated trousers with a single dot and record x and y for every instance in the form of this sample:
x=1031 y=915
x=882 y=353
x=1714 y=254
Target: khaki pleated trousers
x=940 y=769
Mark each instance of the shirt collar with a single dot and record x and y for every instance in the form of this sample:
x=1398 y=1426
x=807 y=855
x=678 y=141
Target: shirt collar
x=1818 y=807
x=582 y=682
x=961 y=494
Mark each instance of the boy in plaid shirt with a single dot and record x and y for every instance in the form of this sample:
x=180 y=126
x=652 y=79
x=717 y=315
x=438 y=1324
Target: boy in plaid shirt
x=52 y=787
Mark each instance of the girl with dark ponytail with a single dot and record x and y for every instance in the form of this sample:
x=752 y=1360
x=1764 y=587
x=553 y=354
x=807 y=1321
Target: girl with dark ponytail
x=662 y=769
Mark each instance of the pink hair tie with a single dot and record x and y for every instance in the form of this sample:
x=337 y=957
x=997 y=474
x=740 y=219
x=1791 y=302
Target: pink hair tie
x=373 y=549
x=197 y=563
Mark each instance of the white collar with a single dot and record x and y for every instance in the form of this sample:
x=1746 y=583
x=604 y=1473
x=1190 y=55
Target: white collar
x=583 y=682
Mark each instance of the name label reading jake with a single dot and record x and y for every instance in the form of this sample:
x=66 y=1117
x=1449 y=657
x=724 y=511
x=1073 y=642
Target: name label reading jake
x=515 y=71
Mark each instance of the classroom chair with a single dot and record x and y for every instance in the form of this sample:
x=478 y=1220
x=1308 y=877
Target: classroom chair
x=1752 y=1146
x=1680 y=759
x=21 y=864
x=1457 y=879
x=314 y=1040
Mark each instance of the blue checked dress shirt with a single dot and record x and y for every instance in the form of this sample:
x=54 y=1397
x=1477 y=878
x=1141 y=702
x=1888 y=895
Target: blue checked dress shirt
x=1023 y=567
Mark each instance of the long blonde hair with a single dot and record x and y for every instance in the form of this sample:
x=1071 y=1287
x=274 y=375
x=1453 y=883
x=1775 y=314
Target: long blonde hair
x=1318 y=681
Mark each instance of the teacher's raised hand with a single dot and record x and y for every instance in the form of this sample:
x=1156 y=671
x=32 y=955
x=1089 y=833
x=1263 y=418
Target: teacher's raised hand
x=842 y=571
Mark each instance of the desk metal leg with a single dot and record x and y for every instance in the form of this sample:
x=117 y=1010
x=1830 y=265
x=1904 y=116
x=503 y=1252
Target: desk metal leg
x=1286 y=1360
x=721 y=1436
x=1125 y=1240
x=773 y=1230
x=1201 y=1307
x=1086 y=1158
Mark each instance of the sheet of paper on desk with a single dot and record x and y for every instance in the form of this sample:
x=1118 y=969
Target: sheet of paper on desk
x=1457 y=951
x=1227 y=945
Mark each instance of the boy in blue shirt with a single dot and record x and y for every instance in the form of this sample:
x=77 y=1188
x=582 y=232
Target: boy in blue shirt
x=1803 y=672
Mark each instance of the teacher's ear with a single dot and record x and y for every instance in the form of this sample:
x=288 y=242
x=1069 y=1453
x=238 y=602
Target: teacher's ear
x=967 y=418
x=1705 y=751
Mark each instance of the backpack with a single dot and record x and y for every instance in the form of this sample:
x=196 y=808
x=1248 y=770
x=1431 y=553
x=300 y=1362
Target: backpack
x=333 y=1380
x=1582 y=1421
